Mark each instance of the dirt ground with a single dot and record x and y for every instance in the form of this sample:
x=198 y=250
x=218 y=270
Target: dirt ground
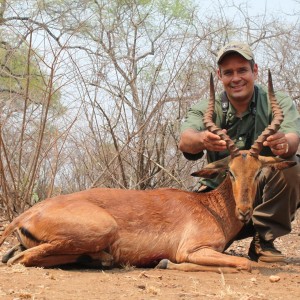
x=267 y=281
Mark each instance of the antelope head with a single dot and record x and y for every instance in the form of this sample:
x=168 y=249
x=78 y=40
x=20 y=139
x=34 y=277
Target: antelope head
x=244 y=166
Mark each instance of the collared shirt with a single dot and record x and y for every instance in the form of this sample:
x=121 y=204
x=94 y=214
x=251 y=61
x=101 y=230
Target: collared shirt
x=242 y=130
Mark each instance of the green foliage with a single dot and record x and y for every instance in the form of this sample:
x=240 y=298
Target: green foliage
x=16 y=78
x=172 y=8
x=175 y=8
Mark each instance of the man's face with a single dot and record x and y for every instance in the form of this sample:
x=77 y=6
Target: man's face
x=237 y=77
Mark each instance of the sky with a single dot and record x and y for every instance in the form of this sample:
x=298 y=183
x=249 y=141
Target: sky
x=275 y=7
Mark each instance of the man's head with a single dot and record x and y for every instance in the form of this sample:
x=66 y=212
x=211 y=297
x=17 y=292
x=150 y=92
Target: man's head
x=235 y=47
x=237 y=71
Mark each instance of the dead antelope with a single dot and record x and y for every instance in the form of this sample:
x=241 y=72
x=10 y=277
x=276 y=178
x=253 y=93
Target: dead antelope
x=172 y=228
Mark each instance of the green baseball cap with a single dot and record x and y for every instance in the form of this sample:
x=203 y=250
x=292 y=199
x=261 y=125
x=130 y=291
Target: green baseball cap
x=241 y=48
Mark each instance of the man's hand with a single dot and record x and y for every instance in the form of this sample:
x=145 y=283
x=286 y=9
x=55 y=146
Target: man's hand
x=278 y=144
x=192 y=141
x=213 y=142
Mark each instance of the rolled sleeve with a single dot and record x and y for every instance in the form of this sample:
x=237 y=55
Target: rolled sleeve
x=291 y=121
x=194 y=117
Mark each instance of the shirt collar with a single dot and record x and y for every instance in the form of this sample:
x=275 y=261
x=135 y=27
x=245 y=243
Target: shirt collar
x=232 y=111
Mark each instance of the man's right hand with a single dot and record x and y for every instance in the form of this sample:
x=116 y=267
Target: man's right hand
x=192 y=141
x=213 y=142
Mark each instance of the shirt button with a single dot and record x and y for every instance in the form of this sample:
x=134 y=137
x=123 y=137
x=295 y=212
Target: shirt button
x=240 y=138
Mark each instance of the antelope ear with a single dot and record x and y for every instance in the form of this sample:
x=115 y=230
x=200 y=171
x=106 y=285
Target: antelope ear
x=276 y=163
x=206 y=173
x=281 y=165
x=213 y=169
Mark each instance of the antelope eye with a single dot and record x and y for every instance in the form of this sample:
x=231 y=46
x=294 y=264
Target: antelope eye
x=231 y=175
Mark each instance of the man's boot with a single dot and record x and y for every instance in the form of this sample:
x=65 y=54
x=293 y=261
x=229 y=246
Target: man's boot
x=264 y=251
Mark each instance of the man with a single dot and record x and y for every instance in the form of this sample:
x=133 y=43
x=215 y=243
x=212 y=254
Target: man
x=243 y=111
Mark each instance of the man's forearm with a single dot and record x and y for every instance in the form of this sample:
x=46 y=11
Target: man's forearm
x=191 y=141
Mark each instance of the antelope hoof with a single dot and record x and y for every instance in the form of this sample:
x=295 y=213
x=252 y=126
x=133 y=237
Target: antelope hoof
x=12 y=252
x=163 y=264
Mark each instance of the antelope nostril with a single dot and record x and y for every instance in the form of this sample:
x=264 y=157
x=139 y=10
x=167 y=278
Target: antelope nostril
x=244 y=216
x=244 y=213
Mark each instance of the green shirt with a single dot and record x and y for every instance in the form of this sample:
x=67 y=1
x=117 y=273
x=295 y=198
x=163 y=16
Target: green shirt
x=242 y=130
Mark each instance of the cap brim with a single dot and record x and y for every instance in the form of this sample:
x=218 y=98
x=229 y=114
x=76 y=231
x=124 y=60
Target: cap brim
x=248 y=57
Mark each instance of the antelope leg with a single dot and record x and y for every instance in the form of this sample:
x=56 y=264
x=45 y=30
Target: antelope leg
x=190 y=267
x=44 y=255
x=207 y=259
x=210 y=257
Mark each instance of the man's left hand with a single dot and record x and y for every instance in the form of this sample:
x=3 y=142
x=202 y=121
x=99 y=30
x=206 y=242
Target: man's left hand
x=278 y=143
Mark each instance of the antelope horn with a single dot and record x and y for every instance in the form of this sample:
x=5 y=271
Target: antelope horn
x=275 y=124
x=211 y=126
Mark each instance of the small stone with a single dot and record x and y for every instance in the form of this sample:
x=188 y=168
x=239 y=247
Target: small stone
x=141 y=286
x=274 y=278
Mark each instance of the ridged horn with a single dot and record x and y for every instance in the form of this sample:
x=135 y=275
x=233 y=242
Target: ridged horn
x=212 y=127
x=275 y=124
